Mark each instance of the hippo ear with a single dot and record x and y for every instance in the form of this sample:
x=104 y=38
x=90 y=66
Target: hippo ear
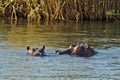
x=28 y=48
x=43 y=46
x=42 y=49
x=34 y=49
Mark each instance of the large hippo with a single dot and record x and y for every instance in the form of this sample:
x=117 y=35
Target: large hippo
x=36 y=51
x=83 y=51
x=86 y=51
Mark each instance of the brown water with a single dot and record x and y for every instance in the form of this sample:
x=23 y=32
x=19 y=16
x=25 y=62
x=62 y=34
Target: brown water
x=15 y=64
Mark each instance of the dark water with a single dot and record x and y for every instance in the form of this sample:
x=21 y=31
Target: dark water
x=15 y=64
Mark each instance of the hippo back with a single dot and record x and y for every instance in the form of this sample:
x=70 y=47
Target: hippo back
x=86 y=52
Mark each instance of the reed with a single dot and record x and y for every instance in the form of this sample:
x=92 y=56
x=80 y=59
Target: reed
x=76 y=10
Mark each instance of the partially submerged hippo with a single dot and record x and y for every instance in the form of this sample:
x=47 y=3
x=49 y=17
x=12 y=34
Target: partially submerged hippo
x=76 y=50
x=83 y=51
x=36 y=51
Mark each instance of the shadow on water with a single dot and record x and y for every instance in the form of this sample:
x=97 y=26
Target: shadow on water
x=17 y=65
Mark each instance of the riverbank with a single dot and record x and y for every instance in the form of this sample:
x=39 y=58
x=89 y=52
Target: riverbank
x=65 y=10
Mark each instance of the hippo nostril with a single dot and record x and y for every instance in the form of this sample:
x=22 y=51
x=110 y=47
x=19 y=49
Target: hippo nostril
x=40 y=51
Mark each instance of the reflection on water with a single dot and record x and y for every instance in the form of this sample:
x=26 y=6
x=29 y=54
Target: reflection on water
x=15 y=64
x=98 y=34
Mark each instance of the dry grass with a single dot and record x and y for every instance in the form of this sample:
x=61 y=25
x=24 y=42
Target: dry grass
x=74 y=9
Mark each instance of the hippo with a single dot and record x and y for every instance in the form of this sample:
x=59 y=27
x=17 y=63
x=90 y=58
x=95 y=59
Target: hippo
x=86 y=51
x=36 y=51
x=82 y=51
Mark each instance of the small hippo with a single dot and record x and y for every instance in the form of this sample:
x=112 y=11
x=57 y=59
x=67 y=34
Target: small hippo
x=36 y=51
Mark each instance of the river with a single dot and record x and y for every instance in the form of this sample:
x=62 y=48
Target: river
x=15 y=64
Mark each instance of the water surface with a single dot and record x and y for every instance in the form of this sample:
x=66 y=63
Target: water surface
x=15 y=64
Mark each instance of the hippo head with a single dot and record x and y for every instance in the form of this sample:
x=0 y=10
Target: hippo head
x=30 y=50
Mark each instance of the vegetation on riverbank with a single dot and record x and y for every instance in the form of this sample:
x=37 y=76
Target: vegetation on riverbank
x=36 y=10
